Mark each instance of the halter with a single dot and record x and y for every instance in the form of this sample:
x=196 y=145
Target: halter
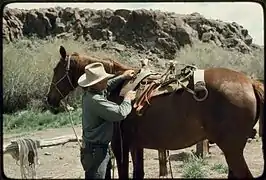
x=66 y=75
x=111 y=68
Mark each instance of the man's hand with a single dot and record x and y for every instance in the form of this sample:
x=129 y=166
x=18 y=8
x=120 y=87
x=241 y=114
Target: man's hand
x=128 y=74
x=130 y=95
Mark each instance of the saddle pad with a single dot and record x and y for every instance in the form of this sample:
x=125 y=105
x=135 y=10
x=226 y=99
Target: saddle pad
x=132 y=84
x=168 y=89
x=198 y=76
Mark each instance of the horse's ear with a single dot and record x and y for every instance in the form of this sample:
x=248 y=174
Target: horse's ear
x=62 y=51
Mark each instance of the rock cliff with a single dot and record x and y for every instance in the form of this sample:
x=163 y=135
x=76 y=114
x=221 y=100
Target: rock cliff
x=155 y=31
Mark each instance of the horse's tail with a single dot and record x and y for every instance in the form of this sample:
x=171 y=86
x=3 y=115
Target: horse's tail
x=259 y=92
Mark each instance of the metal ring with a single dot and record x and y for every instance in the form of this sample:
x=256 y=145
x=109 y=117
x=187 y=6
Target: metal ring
x=204 y=97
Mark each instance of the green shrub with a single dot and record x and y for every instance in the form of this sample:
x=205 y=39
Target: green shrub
x=35 y=120
x=194 y=168
x=220 y=168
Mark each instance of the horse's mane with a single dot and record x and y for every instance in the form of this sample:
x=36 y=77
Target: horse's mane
x=83 y=60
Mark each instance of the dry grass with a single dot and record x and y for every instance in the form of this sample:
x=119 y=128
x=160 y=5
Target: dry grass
x=28 y=65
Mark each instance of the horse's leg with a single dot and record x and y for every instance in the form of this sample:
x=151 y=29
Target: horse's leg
x=108 y=170
x=124 y=164
x=230 y=174
x=121 y=161
x=138 y=163
x=134 y=160
x=235 y=159
x=117 y=154
x=116 y=147
x=121 y=156
x=238 y=165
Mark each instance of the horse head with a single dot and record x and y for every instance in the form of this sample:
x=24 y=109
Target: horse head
x=67 y=71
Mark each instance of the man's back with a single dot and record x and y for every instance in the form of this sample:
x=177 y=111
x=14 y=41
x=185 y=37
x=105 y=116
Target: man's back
x=99 y=115
x=95 y=129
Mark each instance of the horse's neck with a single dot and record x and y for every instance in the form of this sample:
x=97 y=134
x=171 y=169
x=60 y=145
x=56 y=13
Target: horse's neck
x=88 y=60
x=123 y=67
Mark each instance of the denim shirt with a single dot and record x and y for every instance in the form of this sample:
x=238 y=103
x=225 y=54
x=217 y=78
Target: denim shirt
x=98 y=113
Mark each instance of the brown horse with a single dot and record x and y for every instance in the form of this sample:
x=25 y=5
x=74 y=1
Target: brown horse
x=175 y=121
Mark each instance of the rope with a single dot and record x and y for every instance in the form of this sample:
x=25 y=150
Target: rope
x=72 y=123
x=170 y=166
x=186 y=88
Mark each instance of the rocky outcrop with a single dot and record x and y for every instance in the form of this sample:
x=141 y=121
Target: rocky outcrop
x=158 y=32
x=227 y=35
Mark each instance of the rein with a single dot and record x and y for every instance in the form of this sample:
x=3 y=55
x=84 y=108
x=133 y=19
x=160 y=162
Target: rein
x=66 y=75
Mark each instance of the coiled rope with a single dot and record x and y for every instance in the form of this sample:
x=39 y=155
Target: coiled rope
x=25 y=152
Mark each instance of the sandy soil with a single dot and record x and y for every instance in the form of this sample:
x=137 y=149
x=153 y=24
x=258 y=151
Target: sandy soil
x=63 y=161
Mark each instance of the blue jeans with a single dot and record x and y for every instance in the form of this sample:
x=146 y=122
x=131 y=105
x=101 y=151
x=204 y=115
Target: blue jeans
x=94 y=159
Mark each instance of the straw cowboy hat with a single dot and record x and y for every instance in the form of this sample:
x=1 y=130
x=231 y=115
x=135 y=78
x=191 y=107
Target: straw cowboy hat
x=94 y=73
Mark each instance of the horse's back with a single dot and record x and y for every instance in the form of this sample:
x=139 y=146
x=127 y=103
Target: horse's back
x=232 y=84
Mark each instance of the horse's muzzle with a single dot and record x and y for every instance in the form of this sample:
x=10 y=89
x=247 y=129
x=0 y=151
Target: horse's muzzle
x=53 y=108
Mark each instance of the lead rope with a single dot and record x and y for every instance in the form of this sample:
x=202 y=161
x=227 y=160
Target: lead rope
x=170 y=166
x=72 y=123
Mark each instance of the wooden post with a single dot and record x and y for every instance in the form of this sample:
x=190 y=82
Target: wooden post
x=162 y=162
x=202 y=148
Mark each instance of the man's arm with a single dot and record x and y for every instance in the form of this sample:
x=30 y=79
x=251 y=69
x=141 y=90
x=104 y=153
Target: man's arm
x=111 y=111
x=114 y=82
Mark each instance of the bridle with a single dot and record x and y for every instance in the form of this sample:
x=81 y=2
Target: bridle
x=68 y=59
x=71 y=84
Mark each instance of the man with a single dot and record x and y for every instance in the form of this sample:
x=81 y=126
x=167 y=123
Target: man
x=98 y=115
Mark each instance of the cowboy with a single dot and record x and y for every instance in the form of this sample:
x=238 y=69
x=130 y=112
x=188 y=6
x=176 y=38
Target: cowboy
x=98 y=115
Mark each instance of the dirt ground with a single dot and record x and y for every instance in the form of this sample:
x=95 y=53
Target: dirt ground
x=63 y=161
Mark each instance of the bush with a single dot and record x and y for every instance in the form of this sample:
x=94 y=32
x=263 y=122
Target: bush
x=194 y=167
x=220 y=168
x=27 y=70
x=35 y=120
x=206 y=55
